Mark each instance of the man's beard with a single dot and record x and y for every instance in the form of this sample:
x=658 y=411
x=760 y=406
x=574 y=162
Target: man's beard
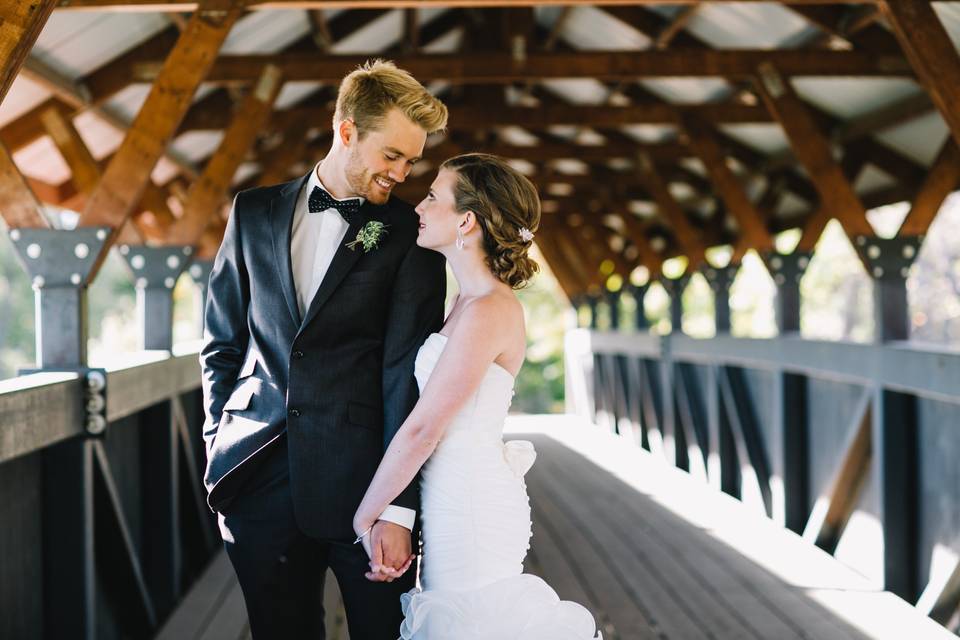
x=361 y=181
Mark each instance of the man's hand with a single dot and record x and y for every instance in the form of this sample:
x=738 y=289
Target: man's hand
x=390 y=553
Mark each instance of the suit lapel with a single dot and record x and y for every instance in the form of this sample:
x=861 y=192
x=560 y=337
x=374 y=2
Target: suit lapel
x=281 y=225
x=343 y=259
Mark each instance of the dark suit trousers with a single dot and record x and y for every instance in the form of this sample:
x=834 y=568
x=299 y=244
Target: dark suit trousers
x=281 y=570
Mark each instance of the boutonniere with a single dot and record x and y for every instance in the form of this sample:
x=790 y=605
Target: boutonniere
x=369 y=236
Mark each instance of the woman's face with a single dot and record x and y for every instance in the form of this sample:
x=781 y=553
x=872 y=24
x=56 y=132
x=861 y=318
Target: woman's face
x=438 y=218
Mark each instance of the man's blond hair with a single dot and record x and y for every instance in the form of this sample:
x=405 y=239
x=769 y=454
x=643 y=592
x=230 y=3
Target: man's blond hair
x=368 y=93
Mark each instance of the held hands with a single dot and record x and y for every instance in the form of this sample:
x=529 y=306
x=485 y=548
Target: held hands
x=388 y=547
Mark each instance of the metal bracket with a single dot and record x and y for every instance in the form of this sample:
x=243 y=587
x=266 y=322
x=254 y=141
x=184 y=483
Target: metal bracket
x=675 y=286
x=788 y=268
x=57 y=257
x=721 y=278
x=200 y=271
x=889 y=258
x=156 y=267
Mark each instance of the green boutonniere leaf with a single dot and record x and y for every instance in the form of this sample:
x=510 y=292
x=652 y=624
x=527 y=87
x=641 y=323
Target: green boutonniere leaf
x=369 y=236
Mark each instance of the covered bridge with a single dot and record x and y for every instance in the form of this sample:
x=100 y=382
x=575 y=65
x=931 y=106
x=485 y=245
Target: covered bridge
x=667 y=139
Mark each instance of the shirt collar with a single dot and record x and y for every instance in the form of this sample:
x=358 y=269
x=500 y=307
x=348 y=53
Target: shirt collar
x=314 y=181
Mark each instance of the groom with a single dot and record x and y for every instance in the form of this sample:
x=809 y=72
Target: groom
x=318 y=302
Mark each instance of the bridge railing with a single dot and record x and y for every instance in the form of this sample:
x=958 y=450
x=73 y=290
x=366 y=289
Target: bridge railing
x=104 y=524
x=852 y=446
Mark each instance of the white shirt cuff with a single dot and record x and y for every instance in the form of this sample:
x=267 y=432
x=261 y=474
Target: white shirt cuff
x=399 y=515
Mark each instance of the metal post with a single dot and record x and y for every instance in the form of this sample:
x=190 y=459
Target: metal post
x=639 y=294
x=59 y=264
x=888 y=262
x=720 y=280
x=593 y=301
x=155 y=271
x=793 y=415
x=894 y=426
x=675 y=288
x=787 y=271
x=613 y=305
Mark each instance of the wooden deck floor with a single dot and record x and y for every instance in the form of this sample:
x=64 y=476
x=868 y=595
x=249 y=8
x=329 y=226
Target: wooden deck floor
x=650 y=551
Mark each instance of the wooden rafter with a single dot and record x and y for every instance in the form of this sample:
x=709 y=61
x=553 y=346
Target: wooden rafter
x=475 y=117
x=672 y=29
x=86 y=173
x=20 y=25
x=942 y=179
x=753 y=229
x=837 y=197
x=496 y=67
x=208 y=192
x=128 y=173
x=20 y=206
x=931 y=52
x=671 y=212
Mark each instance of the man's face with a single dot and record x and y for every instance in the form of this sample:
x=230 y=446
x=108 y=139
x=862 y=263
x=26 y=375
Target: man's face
x=381 y=159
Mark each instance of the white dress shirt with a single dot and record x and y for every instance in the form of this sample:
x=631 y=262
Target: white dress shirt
x=314 y=240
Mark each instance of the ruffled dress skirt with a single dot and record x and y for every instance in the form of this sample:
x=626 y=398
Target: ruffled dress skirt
x=476 y=533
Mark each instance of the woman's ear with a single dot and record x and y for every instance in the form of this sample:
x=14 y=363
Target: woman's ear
x=468 y=222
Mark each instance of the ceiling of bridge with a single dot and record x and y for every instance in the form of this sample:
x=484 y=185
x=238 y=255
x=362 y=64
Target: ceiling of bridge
x=692 y=143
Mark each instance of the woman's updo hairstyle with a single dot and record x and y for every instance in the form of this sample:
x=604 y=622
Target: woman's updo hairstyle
x=507 y=208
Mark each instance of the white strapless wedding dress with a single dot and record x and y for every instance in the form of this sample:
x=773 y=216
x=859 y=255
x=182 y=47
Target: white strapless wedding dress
x=476 y=531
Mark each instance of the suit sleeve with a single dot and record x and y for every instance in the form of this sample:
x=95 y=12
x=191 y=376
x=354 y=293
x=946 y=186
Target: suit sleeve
x=416 y=310
x=225 y=331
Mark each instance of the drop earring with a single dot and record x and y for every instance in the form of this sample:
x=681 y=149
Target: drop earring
x=459 y=239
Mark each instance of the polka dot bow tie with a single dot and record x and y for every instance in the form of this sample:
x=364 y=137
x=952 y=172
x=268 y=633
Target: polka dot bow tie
x=320 y=200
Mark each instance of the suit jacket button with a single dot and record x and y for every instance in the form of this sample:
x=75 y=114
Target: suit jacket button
x=295 y=413
x=297 y=355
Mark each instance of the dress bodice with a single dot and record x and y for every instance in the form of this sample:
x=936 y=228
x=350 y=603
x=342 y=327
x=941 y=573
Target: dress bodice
x=482 y=416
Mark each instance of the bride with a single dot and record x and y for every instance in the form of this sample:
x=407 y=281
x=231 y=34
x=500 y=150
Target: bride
x=480 y=214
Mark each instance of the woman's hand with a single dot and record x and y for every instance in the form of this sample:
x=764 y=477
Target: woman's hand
x=363 y=530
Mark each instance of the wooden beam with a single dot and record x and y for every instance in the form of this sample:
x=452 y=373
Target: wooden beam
x=84 y=169
x=128 y=173
x=568 y=279
x=830 y=515
x=111 y=78
x=535 y=118
x=883 y=118
x=636 y=233
x=578 y=262
x=841 y=26
x=320 y=30
x=254 y=5
x=670 y=211
x=209 y=191
x=837 y=197
x=753 y=229
x=613 y=66
x=931 y=53
x=20 y=206
x=675 y=26
x=20 y=24
x=411 y=30
x=943 y=179
x=86 y=174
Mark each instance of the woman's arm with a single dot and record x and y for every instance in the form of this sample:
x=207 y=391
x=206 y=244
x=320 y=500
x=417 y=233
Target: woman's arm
x=478 y=338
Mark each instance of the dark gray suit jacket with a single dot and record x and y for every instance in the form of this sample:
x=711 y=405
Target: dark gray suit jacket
x=339 y=381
